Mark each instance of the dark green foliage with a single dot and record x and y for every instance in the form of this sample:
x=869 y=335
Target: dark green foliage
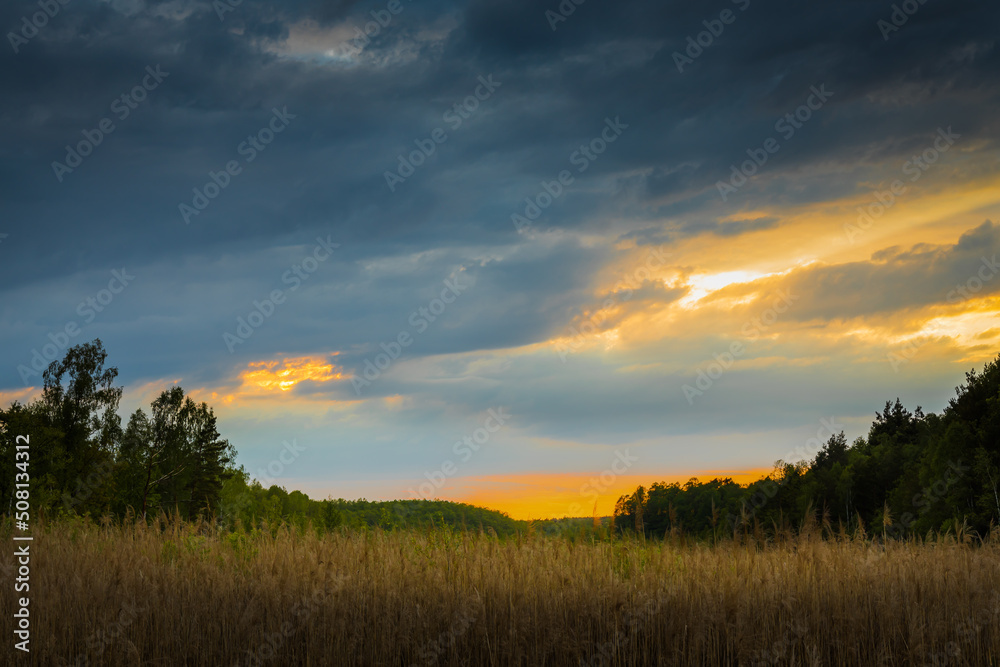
x=73 y=429
x=183 y=455
x=912 y=474
x=245 y=503
x=83 y=462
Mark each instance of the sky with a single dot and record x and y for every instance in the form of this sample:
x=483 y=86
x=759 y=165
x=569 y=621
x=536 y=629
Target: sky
x=528 y=255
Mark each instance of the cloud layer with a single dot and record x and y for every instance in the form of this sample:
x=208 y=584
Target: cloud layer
x=489 y=182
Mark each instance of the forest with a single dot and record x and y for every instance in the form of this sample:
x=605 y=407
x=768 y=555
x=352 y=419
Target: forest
x=913 y=473
x=172 y=460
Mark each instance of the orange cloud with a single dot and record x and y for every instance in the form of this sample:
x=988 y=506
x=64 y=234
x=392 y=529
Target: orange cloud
x=892 y=296
x=23 y=396
x=275 y=375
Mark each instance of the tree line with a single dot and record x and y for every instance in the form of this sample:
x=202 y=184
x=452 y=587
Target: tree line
x=171 y=460
x=913 y=473
x=84 y=461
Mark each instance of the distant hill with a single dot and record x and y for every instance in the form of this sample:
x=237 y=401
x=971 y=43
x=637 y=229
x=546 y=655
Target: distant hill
x=426 y=514
x=246 y=501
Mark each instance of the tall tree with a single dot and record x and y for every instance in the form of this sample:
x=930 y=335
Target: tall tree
x=182 y=456
x=79 y=405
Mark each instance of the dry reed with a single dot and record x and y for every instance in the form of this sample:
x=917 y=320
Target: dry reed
x=183 y=594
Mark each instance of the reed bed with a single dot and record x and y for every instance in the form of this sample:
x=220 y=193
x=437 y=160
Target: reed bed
x=175 y=593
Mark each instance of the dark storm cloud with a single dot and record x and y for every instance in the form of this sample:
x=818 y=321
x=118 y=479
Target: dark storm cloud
x=324 y=174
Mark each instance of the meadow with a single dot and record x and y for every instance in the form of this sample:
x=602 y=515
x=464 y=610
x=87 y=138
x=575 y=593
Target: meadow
x=175 y=592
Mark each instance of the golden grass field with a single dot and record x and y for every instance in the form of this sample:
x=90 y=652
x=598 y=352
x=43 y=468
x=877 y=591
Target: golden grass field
x=180 y=594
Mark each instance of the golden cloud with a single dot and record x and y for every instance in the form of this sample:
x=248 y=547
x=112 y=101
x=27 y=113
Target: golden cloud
x=275 y=375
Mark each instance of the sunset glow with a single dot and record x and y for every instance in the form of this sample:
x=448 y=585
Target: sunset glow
x=284 y=374
x=553 y=496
